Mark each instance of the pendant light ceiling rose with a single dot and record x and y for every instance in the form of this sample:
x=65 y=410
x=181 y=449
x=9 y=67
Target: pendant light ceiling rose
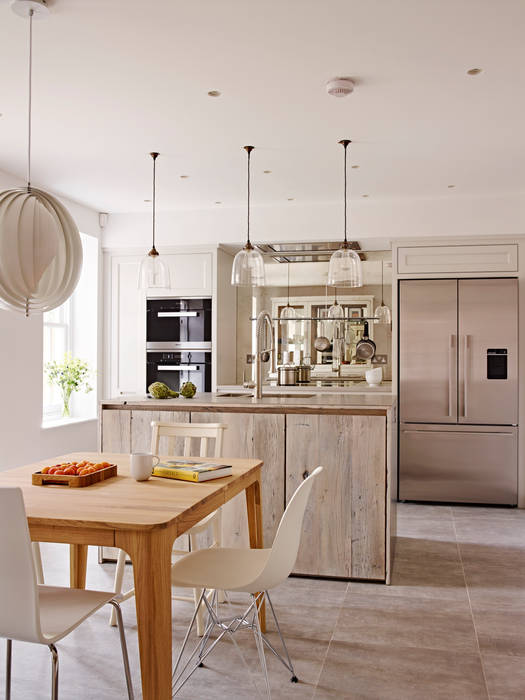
x=23 y=8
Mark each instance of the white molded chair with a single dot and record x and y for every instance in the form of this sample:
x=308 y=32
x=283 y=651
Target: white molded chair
x=187 y=431
x=252 y=571
x=30 y=612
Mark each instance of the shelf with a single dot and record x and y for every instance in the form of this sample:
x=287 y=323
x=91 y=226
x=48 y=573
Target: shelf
x=355 y=319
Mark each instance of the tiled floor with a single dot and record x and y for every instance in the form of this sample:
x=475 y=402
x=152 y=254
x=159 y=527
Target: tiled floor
x=451 y=626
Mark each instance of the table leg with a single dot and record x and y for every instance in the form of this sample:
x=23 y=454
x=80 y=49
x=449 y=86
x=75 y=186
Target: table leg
x=150 y=554
x=77 y=565
x=254 y=509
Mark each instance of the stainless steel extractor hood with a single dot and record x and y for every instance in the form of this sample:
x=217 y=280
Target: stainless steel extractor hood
x=304 y=251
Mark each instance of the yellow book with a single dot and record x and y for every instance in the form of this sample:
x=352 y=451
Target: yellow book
x=192 y=471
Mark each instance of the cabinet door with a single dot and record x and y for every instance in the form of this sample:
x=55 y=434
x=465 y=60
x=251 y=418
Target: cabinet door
x=127 y=328
x=259 y=436
x=115 y=431
x=190 y=274
x=344 y=528
x=488 y=351
x=428 y=351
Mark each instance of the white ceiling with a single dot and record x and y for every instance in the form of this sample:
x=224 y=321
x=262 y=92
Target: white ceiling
x=115 y=80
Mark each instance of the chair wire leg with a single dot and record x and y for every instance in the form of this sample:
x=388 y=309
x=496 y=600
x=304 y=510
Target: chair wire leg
x=294 y=678
x=259 y=640
x=117 y=586
x=54 y=672
x=124 y=647
x=186 y=637
x=8 y=659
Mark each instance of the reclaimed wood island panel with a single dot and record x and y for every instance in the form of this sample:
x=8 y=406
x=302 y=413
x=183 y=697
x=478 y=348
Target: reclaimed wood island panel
x=349 y=524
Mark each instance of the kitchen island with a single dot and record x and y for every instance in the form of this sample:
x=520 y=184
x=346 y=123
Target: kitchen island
x=350 y=521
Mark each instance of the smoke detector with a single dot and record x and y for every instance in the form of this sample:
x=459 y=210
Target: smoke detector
x=340 y=87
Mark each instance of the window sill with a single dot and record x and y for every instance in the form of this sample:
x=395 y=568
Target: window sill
x=60 y=422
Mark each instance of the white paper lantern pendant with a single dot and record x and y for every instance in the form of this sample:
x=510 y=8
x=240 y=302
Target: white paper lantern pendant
x=40 y=246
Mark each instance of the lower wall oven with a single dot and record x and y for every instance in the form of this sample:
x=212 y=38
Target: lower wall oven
x=175 y=368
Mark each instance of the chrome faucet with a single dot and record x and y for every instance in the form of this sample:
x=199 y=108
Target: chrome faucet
x=264 y=348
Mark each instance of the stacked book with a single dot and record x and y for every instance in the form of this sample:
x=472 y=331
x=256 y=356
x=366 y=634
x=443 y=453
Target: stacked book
x=192 y=470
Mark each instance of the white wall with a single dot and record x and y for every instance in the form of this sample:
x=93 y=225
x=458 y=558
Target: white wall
x=388 y=218
x=22 y=438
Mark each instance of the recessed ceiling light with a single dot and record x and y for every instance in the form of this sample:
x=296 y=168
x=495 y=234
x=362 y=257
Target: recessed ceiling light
x=267 y=172
x=214 y=93
x=147 y=200
x=291 y=199
x=218 y=202
x=474 y=71
x=364 y=195
x=184 y=177
x=355 y=166
x=450 y=187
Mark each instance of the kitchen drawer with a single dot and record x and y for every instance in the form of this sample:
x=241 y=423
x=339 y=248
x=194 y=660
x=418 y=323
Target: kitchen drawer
x=457 y=258
x=458 y=464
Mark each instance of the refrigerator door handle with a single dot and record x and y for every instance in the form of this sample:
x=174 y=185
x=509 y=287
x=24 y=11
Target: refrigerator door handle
x=451 y=356
x=465 y=375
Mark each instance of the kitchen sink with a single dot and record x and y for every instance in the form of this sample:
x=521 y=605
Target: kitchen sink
x=297 y=395
x=270 y=394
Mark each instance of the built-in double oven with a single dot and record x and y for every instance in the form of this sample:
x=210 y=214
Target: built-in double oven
x=178 y=335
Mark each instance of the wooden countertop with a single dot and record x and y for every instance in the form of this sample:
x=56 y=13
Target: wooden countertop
x=341 y=404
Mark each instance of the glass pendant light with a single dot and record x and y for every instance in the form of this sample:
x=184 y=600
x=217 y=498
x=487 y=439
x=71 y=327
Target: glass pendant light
x=344 y=269
x=288 y=312
x=335 y=313
x=248 y=264
x=382 y=313
x=153 y=272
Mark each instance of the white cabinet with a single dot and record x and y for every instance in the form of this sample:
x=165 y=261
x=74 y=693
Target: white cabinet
x=190 y=274
x=457 y=258
x=127 y=328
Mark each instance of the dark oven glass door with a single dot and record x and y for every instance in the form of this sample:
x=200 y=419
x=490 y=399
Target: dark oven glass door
x=175 y=368
x=178 y=320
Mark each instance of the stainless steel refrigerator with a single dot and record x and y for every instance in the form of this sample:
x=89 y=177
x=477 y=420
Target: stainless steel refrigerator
x=458 y=390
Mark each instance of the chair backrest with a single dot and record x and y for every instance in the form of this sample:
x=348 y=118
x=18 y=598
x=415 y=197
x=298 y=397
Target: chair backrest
x=286 y=543
x=19 y=609
x=188 y=432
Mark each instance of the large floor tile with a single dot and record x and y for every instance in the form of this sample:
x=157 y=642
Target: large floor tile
x=424 y=512
x=500 y=631
x=505 y=676
x=496 y=532
x=489 y=512
x=426 y=528
x=368 y=671
x=431 y=623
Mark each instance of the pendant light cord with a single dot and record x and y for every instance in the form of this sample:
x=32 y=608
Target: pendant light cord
x=154 y=195
x=248 y=150
x=382 y=287
x=248 y=218
x=31 y=13
x=288 y=269
x=345 y=143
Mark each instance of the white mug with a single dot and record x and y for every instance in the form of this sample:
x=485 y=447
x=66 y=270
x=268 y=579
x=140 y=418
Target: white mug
x=142 y=465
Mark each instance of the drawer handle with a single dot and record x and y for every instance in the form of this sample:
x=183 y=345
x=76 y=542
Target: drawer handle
x=306 y=474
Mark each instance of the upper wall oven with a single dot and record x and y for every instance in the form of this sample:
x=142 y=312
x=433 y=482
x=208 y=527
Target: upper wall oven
x=178 y=324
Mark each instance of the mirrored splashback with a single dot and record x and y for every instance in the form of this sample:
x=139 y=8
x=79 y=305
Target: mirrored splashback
x=342 y=316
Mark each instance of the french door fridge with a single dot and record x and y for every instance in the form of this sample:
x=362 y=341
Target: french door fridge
x=458 y=390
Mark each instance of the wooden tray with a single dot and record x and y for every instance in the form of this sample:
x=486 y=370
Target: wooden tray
x=39 y=479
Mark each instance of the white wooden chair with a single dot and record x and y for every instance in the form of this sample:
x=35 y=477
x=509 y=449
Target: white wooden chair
x=30 y=612
x=188 y=432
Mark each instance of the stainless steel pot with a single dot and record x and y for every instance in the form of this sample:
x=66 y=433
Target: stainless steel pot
x=287 y=375
x=365 y=348
x=304 y=374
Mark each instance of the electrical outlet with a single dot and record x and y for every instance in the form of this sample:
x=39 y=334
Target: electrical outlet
x=380 y=360
x=250 y=359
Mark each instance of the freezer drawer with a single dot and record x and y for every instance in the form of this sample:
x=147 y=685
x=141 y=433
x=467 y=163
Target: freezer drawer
x=459 y=464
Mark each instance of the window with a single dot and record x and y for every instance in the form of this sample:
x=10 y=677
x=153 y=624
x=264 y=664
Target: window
x=73 y=327
x=57 y=342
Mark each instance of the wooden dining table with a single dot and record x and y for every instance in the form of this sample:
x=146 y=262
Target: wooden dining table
x=144 y=519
